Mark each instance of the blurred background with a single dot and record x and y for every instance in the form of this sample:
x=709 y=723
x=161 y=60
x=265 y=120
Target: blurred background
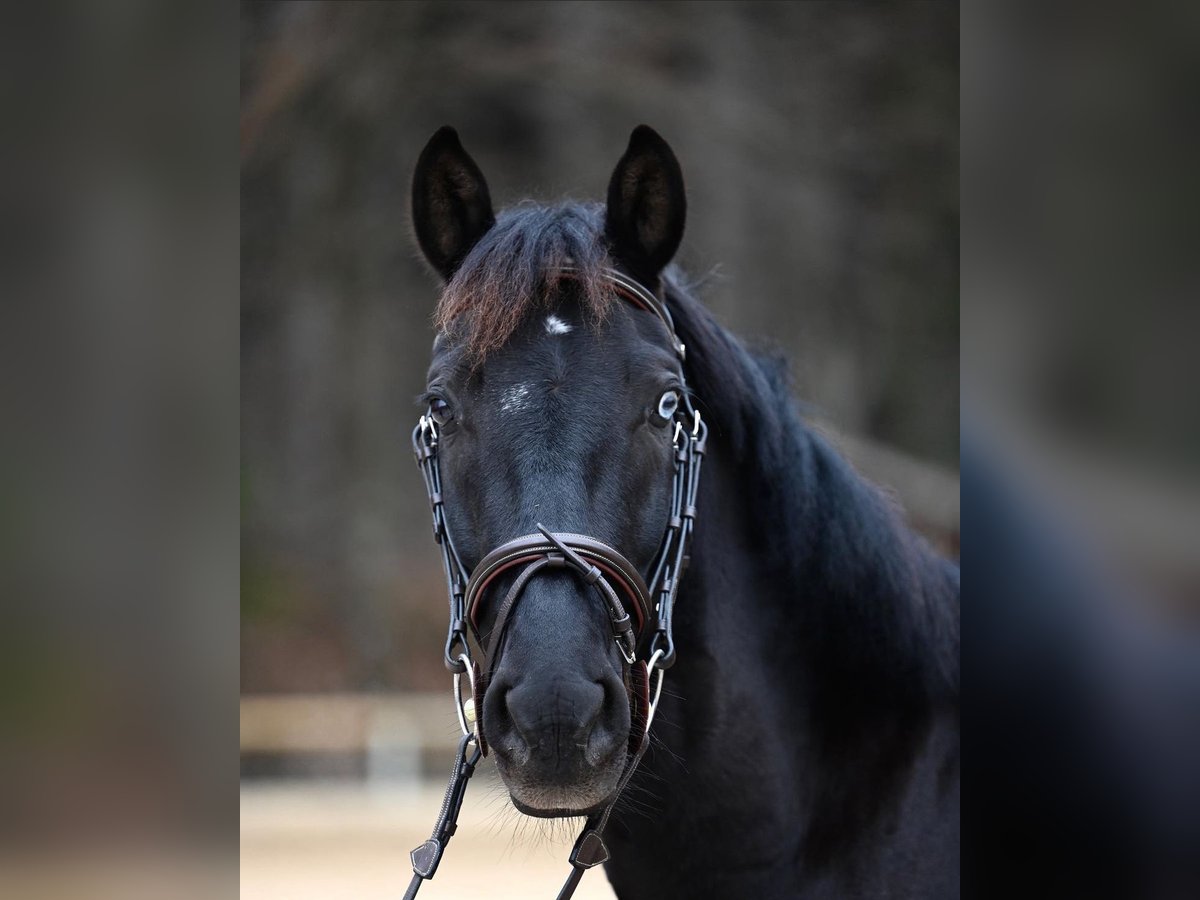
x=820 y=146
x=1080 y=285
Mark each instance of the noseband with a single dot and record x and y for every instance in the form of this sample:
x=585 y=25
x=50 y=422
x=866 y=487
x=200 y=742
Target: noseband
x=639 y=610
x=574 y=552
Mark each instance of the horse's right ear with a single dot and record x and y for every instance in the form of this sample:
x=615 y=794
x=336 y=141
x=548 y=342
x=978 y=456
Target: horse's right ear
x=451 y=207
x=646 y=205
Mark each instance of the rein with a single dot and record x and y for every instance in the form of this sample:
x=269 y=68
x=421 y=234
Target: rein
x=639 y=610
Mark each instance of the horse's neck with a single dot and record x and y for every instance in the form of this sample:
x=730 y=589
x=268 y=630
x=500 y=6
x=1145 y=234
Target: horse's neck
x=841 y=590
x=808 y=667
x=807 y=677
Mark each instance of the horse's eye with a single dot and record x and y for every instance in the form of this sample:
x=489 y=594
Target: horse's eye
x=440 y=411
x=668 y=405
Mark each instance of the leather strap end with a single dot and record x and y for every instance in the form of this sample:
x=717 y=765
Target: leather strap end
x=589 y=851
x=623 y=630
x=425 y=858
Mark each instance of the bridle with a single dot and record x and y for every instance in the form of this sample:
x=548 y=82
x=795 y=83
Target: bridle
x=639 y=610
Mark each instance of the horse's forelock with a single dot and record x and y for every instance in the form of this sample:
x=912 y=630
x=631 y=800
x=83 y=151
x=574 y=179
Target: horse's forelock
x=515 y=268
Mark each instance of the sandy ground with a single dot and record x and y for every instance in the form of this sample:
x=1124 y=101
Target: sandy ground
x=305 y=841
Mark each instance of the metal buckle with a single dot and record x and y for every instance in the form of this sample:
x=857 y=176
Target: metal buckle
x=629 y=657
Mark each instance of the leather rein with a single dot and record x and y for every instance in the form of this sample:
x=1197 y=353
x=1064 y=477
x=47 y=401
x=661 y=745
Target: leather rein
x=639 y=610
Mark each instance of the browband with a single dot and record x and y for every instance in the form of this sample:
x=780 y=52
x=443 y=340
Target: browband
x=639 y=296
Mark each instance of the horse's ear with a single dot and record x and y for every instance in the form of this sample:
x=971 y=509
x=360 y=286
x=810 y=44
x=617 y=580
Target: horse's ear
x=646 y=205
x=451 y=207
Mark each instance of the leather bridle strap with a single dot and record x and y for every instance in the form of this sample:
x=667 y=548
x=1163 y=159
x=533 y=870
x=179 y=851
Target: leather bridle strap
x=590 y=850
x=492 y=647
x=426 y=857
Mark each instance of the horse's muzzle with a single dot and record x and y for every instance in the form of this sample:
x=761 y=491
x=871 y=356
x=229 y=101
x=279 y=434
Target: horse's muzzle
x=559 y=743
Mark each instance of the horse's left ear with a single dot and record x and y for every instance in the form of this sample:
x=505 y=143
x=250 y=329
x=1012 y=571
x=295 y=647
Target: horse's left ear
x=646 y=205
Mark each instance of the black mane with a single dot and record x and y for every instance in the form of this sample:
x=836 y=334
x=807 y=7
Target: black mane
x=875 y=602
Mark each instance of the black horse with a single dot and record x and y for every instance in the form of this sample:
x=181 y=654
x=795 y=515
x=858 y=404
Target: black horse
x=807 y=743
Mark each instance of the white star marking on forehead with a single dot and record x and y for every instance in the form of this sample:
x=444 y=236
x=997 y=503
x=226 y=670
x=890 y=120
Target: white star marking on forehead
x=555 y=325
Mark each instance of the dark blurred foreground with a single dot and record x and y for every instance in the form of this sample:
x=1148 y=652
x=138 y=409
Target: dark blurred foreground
x=1081 y=454
x=119 y=452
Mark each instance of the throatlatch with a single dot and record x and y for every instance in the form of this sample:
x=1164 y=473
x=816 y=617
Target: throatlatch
x=640 y=612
